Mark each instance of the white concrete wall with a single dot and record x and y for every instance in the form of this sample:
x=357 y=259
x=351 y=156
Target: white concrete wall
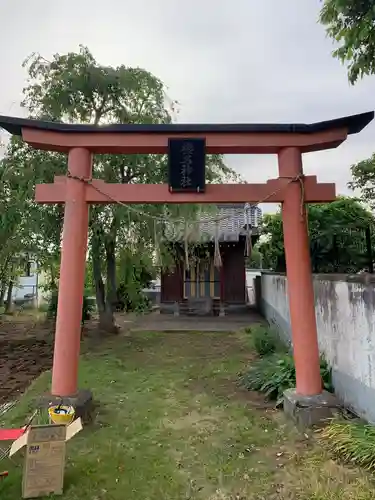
x=26 y=284
x=345 y=313
x=251 y=274
x=32 y=284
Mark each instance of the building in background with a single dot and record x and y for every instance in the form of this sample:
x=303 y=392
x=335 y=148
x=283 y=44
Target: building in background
x=253 y=214
x=29 y=287
x=198 y=281
x=241 y=215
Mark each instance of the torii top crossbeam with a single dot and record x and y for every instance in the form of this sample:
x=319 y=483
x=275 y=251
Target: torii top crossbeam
x=220 y=138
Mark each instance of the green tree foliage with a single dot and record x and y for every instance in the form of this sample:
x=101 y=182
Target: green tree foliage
x=255 y=260
x=351 y=23
x=73 y=88
x=363 y=179
x=41 y=224
x=135 y=270
x=337 y=237
x=14 y=228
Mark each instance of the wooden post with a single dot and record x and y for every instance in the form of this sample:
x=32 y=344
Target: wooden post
x=72 y=276
x=300 y=283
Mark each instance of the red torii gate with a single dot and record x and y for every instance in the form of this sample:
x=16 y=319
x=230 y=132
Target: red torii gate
x=291 y=188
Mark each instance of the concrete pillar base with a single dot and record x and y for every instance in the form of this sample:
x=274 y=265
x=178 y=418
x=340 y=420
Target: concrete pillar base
x=310 y=411
x=82 y=402
x=176 y=309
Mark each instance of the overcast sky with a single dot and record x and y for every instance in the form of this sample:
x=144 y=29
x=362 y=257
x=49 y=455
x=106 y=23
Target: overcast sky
x=224 y=61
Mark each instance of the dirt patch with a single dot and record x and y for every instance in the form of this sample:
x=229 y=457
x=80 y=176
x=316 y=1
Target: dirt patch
x=25 y=352
x=18 y=328
x=21 y=363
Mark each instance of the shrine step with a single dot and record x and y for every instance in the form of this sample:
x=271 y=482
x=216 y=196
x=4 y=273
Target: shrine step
x=196 y=307
x=183 y=308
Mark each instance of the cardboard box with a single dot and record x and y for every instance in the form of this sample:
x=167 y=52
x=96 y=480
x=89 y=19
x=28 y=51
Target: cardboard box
x=44 y=465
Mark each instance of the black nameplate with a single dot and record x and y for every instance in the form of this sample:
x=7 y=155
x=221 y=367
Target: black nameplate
x=187 y=165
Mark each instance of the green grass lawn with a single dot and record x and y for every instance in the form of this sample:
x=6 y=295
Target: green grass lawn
x=171 y=423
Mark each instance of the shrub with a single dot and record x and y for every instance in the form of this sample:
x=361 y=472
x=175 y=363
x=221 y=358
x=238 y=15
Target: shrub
x=88 y=307
x=52 y=305
x=143 y=304
x=352 y=442
x=265 y=340
x=273 y=374
x=43 y=308
x=131 y=298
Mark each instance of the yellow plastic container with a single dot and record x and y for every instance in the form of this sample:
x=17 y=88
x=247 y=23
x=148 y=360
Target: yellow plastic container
x=61 y=414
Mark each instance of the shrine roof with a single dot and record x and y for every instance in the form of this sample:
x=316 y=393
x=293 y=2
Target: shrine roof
x=227 y=224
x=353 y=124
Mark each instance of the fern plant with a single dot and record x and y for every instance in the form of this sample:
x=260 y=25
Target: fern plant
x=274 y=374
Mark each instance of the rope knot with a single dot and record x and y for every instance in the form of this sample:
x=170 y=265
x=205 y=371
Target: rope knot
x=85 y=180
x=301 y=179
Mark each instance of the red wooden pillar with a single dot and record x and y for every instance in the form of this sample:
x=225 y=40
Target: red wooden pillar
x=300 y=284
x=72 y=276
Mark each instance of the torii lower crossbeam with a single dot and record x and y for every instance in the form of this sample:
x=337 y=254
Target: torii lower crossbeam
x=273 y=191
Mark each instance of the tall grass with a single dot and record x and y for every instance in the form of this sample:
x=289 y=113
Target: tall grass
x=351 y=441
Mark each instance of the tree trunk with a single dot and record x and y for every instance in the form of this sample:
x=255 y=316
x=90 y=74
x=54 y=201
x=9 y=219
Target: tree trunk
x=106 y=318
x=9 y=302
x=111 y=273
x=4 y=276
x=111 y=296
x=52 y=277
x=98 y=281
x=2 y=293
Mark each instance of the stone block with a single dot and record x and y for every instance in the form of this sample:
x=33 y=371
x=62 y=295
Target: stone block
x=310 y=411
x=82 y=402
x=202 y=306
x=176 y=309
